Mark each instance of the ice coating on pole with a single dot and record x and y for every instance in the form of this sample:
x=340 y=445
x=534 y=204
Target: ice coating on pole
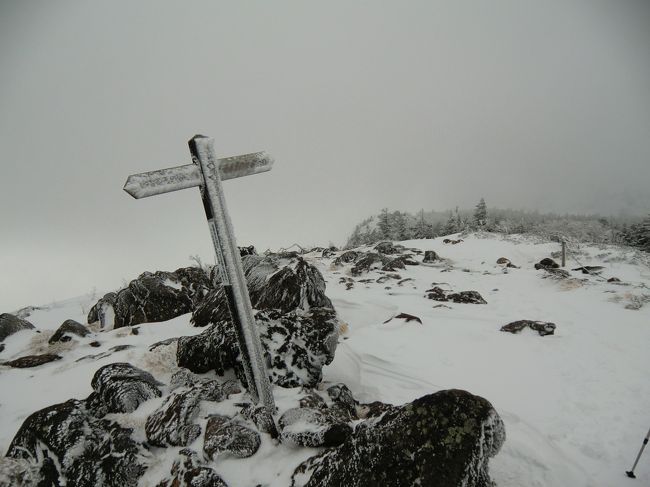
x=223 y=238
x=182 y=177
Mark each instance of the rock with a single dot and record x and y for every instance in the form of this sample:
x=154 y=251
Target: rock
x=312 y=400
x=296 y=285
x=430 y=256
x=260 y=416
x=102 y=311
x=386 y=248
x=32 y=360
x=223 y=436
x=547 y=263
x=69 y=443
x=590 y=269
x=213 y=349
x=210 y=389
x=467 y=297
x=394 y=264
x=2 y=347
x=172 y=423
x=312 y=427
x=300 y=286
x=613 y=279
x=152 y=297
x=162 y=343
x=368 y=262
x=250 y=250
x=10 y=324
x=67 y=328
x=344 y=405
x=187 y=472
x=327 y=253
x=346 y=257
x=542 y=327
x=443 y=439
x=404 y=316
x=555 y=273
x=120 y=388
x=297 y=346
x=506 y=262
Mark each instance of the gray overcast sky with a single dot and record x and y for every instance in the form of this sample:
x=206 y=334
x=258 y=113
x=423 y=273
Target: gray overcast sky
x=541 y=104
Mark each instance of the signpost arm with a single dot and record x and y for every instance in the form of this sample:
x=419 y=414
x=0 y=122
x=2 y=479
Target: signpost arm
x=231 y=271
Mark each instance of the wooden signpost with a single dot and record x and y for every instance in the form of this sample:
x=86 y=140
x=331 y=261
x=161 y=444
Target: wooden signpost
x=207 y=172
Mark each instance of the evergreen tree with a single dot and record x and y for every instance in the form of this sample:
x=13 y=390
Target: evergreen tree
x=399 y=230
x=480 y=214
x=451 y=225
x=384 y=224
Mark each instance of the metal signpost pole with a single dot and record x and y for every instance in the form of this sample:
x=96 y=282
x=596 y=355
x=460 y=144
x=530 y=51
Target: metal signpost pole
x=207 y=172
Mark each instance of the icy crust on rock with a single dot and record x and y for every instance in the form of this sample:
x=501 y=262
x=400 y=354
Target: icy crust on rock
x=152 y=297
x=443 y=439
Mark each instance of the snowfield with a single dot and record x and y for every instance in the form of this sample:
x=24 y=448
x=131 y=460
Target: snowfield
x=576 y=404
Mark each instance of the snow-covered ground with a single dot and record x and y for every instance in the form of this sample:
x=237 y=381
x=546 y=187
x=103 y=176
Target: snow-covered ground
x=576 y=404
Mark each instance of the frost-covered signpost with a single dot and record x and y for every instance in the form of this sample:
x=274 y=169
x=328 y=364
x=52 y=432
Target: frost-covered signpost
x=207 y=172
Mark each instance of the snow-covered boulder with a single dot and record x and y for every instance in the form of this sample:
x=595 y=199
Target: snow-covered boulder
x=67 y=443
x=273 y=283
x=29 y=361
x=68 y=328
x=172 y=424
x=313 y=427
x=10 y=324
x=120 y=388
x=542 y=327
x=152 y=297
x=226 y=437
x=297 y=346
x=468 y=297
x=443 y=439
x=188 y=471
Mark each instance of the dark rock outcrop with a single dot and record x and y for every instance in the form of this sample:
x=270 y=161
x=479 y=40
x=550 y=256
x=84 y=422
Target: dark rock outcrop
x=443 y=440
x=10 y=324
x=297 y=346
x=32 y=360
x=120 y=388
x=467 y=297
x=224 y=436
x=590 y=269
x=369 y=261
x=250 y=250
x=547 y=263
x=152 y=297
x=346 y=257
x=313 y=427
x=187 y=471
x=404 y=316
x=386 y=248
x=67 y=328
x=172 y=424
x=296 y=285
x=542 y=327
x=430 y=256
x=78 y=448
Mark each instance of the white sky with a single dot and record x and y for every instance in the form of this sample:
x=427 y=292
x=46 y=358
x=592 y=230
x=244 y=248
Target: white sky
x=363 y=105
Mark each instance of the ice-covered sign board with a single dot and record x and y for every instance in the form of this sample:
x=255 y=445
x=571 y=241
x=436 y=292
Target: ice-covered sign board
x=207 y=172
